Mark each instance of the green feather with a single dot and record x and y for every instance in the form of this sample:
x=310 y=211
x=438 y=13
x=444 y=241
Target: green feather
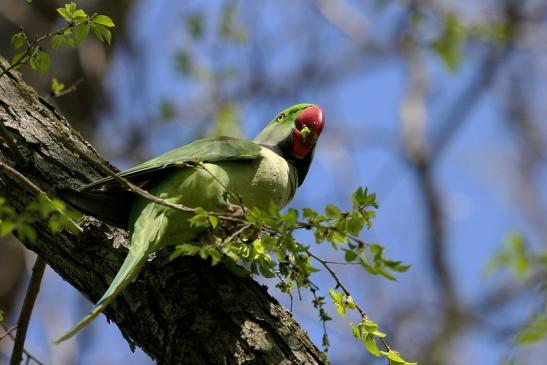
x=202 y=150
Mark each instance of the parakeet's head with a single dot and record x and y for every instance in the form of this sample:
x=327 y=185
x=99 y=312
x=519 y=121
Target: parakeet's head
x=294 y=131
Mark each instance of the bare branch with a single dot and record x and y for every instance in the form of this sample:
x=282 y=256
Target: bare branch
x=26 y=311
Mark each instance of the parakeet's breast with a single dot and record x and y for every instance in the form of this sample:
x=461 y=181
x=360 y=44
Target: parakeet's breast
x=261 y=181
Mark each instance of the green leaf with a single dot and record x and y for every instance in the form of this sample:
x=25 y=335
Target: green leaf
x=70 y=7
x=370 y=326
x=358 y=330
x=350 y=303
x=200 y=220
x=323 y=315
x=341 y=310
x=6 y=228
x=18 y=40
x=394 y=357
x=358 y=197
x=350 y=255
x=40 y=62
x=211 y=252
x=285 y=287
x=355 y=224
x=371 y=346
x=194 y=25
x=338 y=300
x=185 y=249
x=103 y=20
x=67 y=38
x=270 y=242
x=228 y=29
x=79 y=16
x=80 y=32
x=515 y=255
x=368 y=267
x=213 y=220
x=65 y=14
x=336 y=237
x=56 y=223
x=376 y=250
x=26 y=232
x=183 y=63
x=56 y=86
x=336 y=296
x=396 y=265
x=533 y=331
x=385 y=274
x=19 y=58
x=56 y=41
x=266 y=270
x=291 y=216
x=102 y=33
x=166 y=111
x=332 y=211
x=448 y=45
x=309 y=213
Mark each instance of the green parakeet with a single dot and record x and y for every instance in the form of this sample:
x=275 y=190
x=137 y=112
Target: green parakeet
x=268 y=169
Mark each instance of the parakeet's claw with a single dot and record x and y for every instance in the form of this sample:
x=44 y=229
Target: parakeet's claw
x=236 y=210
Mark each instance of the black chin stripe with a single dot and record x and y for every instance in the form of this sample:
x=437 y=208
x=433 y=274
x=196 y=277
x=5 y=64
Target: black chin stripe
x=283 y=149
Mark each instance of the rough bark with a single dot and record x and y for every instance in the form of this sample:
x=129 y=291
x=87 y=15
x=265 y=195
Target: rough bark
x=183 y=312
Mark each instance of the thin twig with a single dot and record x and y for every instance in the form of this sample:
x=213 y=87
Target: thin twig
x=339 y=284
x=66 y=91
x=28 y=304
x=236 y=233
x=287 y=292
x=20 y=177
x=7 y=333
x=319 y=305
x=341 y=263
x=27 y=354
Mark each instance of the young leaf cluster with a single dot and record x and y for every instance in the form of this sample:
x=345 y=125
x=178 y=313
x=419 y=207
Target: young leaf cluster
x=445 y=35
x=78 y=24
x=53 y=211
x=517 y=256
x=526 y=265
x=263 y=243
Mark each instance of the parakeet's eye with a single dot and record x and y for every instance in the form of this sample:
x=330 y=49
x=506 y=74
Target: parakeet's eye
x=280 y=117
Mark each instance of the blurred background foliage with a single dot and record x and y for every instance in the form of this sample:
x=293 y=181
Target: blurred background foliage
x=438 y=106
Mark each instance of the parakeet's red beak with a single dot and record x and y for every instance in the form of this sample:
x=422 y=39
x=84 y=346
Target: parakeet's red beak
x=308 y=127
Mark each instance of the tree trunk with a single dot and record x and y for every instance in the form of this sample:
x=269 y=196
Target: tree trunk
x=180 y=312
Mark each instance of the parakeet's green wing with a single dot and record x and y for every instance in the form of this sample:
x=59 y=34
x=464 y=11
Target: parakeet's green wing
x=204 y=150
x=106 y=200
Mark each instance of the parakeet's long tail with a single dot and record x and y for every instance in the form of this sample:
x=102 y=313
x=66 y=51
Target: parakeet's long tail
x=146 y=234
x=111 y=206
